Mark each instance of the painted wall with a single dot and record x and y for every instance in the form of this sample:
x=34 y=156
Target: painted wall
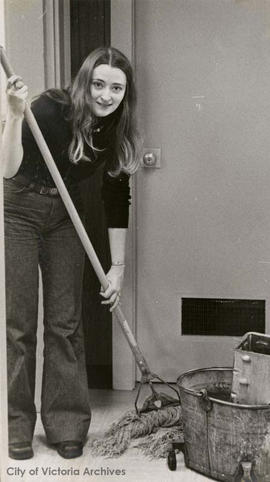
x=24 y=44
x=24 y=41
x=203 y=70
x=3 y=348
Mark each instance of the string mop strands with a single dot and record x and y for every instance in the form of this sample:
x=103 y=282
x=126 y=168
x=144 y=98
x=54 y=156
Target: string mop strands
x=119 y=436
x=158 y=444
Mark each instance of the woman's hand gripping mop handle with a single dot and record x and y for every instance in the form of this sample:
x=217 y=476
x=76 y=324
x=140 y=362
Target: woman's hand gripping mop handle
x=141 y=362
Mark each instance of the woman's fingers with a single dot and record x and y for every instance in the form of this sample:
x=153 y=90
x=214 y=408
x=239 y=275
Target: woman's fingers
x=16 y=88
x=110 y=300
x=114 y=300
x=112 y=297
x=107 y=292
x=17 y=93
x=113 y=291
x=15 y=81
x=117 y=300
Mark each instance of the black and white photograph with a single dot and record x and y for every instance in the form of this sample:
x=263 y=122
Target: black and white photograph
x=135 y=240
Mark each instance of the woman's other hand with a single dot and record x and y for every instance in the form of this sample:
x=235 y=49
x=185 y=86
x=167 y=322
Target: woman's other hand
x=17 y=93
x=112 y=294
x=12 y=149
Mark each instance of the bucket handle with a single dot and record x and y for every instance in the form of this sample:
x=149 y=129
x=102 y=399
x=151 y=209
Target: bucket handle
x=245 y=341
x=205 y=401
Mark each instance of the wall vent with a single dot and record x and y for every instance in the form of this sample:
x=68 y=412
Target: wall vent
x=227 y=317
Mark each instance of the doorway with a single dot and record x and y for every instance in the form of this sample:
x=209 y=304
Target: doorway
x=90 y=28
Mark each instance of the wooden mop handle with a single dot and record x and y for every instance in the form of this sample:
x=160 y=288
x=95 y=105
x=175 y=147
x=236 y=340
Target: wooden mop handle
x=142 y=364
x=5 y=63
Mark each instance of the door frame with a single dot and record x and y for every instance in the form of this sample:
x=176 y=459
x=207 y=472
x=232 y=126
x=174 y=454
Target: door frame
x=3 y=346
x=56 y=35
x=123 y=38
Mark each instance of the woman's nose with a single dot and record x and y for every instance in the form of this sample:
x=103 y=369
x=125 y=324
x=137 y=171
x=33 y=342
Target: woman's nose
x=106 y=95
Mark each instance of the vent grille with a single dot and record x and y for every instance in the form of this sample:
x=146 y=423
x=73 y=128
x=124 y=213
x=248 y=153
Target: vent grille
x=217 y=317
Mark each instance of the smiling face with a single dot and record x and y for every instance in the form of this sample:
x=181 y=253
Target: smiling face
x=108 y=87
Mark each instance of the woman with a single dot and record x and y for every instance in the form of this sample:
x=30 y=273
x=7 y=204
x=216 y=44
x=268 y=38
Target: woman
x=89 y=124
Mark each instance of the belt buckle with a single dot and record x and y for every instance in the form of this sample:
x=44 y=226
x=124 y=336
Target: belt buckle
x=50 y=191
x=43 y=190
x=53 y=191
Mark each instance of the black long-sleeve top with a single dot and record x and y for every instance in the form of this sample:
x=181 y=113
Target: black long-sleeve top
x=57 y=131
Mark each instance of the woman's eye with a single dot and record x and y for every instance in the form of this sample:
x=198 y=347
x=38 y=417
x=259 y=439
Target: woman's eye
x=97 y=85
x=117 y=88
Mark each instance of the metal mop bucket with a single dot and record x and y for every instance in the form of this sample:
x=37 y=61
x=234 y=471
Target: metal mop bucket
x=223 y=440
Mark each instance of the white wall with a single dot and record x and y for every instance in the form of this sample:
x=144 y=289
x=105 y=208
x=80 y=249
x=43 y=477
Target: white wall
x=2 y=74
x=24 y=45
x=24 y=41
x=3 y=354
x=203 y=70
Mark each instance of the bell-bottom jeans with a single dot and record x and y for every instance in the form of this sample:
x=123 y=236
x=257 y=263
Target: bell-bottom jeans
x=38 y=232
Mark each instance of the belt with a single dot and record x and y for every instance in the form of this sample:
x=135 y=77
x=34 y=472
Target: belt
x=32 y=186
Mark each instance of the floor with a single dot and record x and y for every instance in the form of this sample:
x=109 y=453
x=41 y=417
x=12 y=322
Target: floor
x=107 y=406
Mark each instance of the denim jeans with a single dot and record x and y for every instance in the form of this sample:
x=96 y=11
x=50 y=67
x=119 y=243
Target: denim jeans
x=38 y=232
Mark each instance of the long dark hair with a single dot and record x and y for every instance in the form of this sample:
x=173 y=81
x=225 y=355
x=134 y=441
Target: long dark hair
x=127 y=144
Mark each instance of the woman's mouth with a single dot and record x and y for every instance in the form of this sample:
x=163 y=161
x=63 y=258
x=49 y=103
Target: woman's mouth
x=103 y=106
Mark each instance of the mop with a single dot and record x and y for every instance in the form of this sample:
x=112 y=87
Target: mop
x=157 y=430
x=159 y=409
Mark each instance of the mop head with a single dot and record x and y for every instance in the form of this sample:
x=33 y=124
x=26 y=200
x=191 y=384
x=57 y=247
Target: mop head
x=158 y=444
x=132 y=426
